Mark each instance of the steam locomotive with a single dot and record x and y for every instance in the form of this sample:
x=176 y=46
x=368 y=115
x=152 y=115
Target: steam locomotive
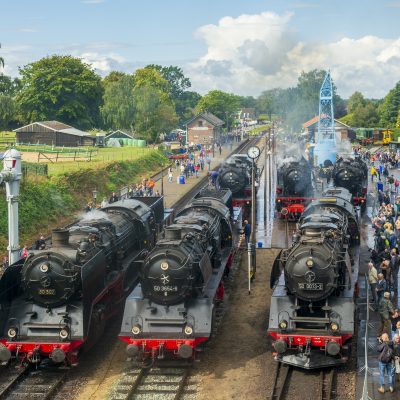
x=235 y=175
x=294 y=189
x=352 y=174
x=314 y=281
x=171 y=311
x=57 y=300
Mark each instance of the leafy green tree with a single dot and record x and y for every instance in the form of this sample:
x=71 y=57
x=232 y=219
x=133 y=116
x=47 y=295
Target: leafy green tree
x=178 y=82
x=155 y=112
x=302 y=102
x=60 y=88
x=186 y=105
x=219 y=103
x=248 y=102
x=118 y=109
x=184 y=100
x=8 y=85
x=151 y=77
x=7 y=111
x=365 y=116
x=389 y=109
x=266 y=103
x=355 y=100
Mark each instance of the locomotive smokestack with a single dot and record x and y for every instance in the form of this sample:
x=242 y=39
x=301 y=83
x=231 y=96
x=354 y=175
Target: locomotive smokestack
x=60 y=237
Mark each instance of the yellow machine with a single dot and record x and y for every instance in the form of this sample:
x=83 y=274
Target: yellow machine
x=387 y=136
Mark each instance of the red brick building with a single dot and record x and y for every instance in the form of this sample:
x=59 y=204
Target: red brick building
x=204 y=128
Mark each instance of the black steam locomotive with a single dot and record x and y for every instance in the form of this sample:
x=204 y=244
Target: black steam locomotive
x=235 y=174
x=312 y=307
x=171 y=311
x=294 y=188
x=58 y=299
x=352 y=174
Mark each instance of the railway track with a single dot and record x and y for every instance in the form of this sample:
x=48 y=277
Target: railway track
x=327 y=378
x=164 y=381
x=27 y=383
x=281 y=378
x=284 y=383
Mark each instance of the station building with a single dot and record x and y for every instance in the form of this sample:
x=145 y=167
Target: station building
x=343 y=131
x=53 y=133
x=204 y=128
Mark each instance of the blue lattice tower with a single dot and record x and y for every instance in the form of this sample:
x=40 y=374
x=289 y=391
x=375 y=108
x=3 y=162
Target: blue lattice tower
x=325 y=148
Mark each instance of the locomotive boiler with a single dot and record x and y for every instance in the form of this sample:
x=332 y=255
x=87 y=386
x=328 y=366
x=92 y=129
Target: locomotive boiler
x=312 y=307
x=171 y=311
x=58 y=299
x=235 y=174
x=294 y=188
x=352 y=174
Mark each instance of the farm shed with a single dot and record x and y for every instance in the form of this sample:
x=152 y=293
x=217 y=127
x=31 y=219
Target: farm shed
x=53 y=133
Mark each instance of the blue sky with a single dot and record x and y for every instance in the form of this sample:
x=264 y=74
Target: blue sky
x=239 y=46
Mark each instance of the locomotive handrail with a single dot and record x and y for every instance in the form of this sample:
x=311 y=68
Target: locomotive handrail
x=365 y=395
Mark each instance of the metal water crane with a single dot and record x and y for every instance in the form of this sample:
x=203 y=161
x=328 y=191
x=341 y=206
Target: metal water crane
x=11 y=176
x=325 y=147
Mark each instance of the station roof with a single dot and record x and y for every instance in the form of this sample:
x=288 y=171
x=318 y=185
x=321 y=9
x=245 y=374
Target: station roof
x=211 y=118
x=315 y=120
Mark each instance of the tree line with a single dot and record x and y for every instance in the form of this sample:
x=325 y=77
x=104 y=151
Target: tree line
x=156 y=99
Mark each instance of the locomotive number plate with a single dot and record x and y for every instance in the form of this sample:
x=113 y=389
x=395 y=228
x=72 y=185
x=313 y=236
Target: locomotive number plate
x=47 y=292
x=158 y=288
x=311 y=286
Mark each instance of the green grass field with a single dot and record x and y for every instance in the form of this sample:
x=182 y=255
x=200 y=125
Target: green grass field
x=102 y=157
x=66 y=162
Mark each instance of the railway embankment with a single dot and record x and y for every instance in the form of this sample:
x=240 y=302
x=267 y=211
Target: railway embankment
x=46 y=203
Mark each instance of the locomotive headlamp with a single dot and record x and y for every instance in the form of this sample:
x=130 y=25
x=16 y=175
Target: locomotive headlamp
x=283 y=325
x=64 y=333
x=334 y=326
x=188 y=330
x=44 y=268
x=310 y=262
x=136 y=329
x=12 y=333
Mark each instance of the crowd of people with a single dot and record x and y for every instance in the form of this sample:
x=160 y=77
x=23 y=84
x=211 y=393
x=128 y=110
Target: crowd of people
x=383 y=267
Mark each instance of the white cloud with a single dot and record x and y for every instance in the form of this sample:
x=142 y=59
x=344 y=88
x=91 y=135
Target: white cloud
x=252 y=53
x=103 y=63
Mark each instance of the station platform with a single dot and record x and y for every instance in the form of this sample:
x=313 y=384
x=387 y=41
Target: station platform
x=374 y=318
x=173 y=191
